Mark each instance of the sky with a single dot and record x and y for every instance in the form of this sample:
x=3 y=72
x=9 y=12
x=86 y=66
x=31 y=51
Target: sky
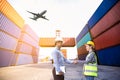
x=69 y=16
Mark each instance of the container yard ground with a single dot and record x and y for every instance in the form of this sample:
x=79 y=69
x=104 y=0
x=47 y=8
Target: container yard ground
x=42 y=71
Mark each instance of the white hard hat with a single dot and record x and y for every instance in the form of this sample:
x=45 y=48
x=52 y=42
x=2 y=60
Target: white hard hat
x=58 y=39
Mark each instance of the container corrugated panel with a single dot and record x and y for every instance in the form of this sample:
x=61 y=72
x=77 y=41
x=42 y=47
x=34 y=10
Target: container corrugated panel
x=35 y=59
x=47 y=42
x=7 y=58
x=24 y=59
x=26 y=38
x=9 y=27
x=23 y=48
x=104 y=7
x=111 y=18
x=82 y=56
x=86 y=38
x=69 y=42
x=109 y=38
x=109 y=56
x=82 y=50
x=7 y=42
x=28 y=29
x=10 y=12
x=35 y=51
x=82 y=33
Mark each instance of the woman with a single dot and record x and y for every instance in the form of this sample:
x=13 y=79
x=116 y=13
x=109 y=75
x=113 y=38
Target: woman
x=90 y=64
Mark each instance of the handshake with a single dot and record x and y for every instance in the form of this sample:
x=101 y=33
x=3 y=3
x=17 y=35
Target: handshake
x=75 y=61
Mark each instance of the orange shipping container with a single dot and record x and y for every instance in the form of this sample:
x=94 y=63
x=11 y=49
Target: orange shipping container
x=64 y=51
x=10 y=12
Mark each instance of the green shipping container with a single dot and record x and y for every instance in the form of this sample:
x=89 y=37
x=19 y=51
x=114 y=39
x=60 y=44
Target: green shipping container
x=84 y=40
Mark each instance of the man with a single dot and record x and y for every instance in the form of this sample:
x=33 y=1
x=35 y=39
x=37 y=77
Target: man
x=58 y=60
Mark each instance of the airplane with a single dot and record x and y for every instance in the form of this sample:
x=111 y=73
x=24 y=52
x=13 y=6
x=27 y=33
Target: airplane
x=38 y=15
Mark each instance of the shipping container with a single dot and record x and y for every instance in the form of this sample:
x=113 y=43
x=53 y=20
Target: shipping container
x=27 y=29
x=109 y=56
x=11 y=13
x=7 y=41
x=64 y=51
x=82 y=56
x=108 y=38
x=35 y=51
x=82 y=33
x=50 y=42
x=104 y=7
x=27 y=39
x=24 y=59
x=82 y=50
x=23 y=48
x=35 y=59
x=68 y=42
x=7 y=58
x=9 y=27
x=84 y=40
x=108 y=21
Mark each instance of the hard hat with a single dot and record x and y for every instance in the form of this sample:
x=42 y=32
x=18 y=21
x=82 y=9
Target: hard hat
x=91 y=43
x=58 y=39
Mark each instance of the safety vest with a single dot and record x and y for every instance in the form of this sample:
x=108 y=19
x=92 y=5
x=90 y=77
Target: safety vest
x=90 y=69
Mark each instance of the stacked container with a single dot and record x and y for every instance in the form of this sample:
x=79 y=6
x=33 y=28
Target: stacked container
x=104 y=27
x=27 y=48
x=18 y=42
x=10 y=30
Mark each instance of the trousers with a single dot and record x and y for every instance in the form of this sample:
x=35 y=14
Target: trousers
x=57 y=77
x=89 y=77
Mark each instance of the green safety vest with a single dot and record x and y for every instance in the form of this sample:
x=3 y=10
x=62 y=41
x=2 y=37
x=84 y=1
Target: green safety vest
x=90 y=69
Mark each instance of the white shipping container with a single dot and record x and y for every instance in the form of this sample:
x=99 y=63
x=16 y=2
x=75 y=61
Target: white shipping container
x=24 y=59
x=7 y=41
x=24 y=48
x=9 y=27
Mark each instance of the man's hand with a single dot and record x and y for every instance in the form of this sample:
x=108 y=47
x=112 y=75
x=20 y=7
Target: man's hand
x=75 y=61
x=61 y=73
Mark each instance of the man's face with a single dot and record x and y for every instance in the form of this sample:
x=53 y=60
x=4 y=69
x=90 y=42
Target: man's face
x=59 y=44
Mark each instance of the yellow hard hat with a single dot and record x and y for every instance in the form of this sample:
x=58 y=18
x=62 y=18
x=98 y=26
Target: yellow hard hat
x=91 y=43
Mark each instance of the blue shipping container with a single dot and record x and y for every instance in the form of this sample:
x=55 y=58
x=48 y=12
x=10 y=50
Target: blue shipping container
x=104 y=7
x=84 y=40
x=82 y=33
x=109 y=56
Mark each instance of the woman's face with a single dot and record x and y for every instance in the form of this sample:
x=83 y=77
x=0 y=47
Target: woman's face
x=88 y=47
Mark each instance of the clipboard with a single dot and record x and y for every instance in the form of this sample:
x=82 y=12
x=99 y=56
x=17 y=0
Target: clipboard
x=62 y=69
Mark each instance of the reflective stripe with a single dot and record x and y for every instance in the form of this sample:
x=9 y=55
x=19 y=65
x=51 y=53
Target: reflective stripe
x=90 y=67
x=90 y=74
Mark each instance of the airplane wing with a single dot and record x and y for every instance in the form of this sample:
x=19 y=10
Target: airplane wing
x=35 y=18
x=32 y=13
x=42 y=13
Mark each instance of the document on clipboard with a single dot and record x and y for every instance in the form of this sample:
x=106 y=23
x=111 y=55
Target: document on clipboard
x=62 y=69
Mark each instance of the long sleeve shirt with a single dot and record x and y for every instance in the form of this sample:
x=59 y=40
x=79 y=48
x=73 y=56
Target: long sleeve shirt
x=58 y=59
x=89 y=58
